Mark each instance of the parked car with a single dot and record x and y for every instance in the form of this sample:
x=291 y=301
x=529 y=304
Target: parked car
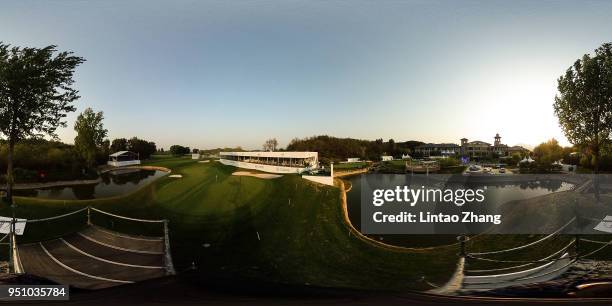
x=474 y=168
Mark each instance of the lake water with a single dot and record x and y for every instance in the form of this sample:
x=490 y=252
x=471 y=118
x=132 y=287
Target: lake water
x=113 y=183
x=496 y=195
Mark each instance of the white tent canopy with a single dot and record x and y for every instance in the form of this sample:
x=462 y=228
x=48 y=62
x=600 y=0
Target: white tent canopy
x=527 y=160
x=123 y=158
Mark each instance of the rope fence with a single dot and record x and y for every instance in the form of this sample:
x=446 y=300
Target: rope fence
x=15 y=263
x=54 y=217
x=125 y=218
x=528 y=244
x=521 y=266
x=523 y=263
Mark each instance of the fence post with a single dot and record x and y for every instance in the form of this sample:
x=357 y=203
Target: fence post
x=88 y=215
x=462 y=251
x=11 y=266
x=577 y=228
x=168 y=256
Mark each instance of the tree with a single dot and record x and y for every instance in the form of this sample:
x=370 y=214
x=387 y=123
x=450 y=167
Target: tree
x=547 y=153
x=35 y=95
x=338 y=149
x=270 y=144
x=90 y=135
x=515 y=158
x=391 y=147
x=119 y=144
x=142 y=147
x=177 y=150
x=584 y=102
x=103 y=152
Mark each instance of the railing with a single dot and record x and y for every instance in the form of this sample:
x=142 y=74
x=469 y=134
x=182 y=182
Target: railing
x=15 y=262
x=551 y=266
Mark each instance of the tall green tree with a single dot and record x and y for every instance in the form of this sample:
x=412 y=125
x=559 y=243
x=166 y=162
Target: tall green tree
x=584 y=102
x=547 y=153
x=36 y=93
x=119 y=144
x=142 y=147
x=178 y=150
x=91 y=135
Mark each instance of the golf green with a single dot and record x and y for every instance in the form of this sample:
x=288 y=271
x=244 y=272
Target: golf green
x=284 y=230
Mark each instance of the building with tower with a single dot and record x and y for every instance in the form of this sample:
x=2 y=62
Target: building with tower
x=473 y=149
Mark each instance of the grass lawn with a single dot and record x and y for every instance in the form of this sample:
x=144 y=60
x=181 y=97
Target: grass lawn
x=394 y=166
x=285 y=230
x=350 y=166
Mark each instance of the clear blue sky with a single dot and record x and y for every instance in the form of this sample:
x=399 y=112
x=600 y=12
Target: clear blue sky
x=225 y=73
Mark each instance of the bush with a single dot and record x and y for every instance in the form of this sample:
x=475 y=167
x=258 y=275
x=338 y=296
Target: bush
x=605 y=163
x=448 y=162
x=35 y=156
x=178 y=150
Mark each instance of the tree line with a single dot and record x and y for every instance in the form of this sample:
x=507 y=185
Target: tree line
x=143 y=147
x=333 y=149
x=37 y=92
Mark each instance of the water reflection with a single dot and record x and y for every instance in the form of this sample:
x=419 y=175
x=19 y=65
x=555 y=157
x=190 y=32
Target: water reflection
x=497 y=192
x=111 y=184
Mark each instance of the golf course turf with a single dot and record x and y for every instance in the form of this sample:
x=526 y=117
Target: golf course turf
x=286 y=230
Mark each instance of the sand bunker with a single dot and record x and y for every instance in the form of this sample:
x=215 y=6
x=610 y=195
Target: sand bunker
x=175 y=176
x=266 y=176
x=204 y=161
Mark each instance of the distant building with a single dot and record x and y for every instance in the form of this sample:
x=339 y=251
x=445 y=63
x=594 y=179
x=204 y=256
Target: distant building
x=352 y=160
x=517 y=149
x=123 y=158
x=273 y=162
x=438 y=149
x=475 y=149
x=472 y=149
x=386 y=158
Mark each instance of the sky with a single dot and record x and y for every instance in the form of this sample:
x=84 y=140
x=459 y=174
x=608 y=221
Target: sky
x=209 y=74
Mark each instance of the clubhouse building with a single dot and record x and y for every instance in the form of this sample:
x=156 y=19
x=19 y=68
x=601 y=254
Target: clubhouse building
x=273 y=162
x=474 y=149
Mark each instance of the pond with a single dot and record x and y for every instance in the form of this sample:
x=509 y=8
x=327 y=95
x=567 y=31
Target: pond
x=112 y=183
x=496 y=195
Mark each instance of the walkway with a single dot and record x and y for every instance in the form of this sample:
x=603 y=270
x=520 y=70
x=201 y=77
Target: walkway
x=95 y=258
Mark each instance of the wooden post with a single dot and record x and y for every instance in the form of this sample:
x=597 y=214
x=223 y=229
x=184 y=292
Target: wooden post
x=576 y=228
x=168 y=258
x=11 y=264
x=462 y=247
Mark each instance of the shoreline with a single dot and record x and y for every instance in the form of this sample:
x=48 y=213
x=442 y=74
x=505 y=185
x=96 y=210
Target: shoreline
x=145 y=167
x=374 y=242
x=339 y=174
x=29 y=186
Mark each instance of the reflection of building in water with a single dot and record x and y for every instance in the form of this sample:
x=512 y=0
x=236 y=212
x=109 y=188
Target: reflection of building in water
x=473 y=149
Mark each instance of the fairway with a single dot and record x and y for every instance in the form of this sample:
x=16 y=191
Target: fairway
x=286 y=230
